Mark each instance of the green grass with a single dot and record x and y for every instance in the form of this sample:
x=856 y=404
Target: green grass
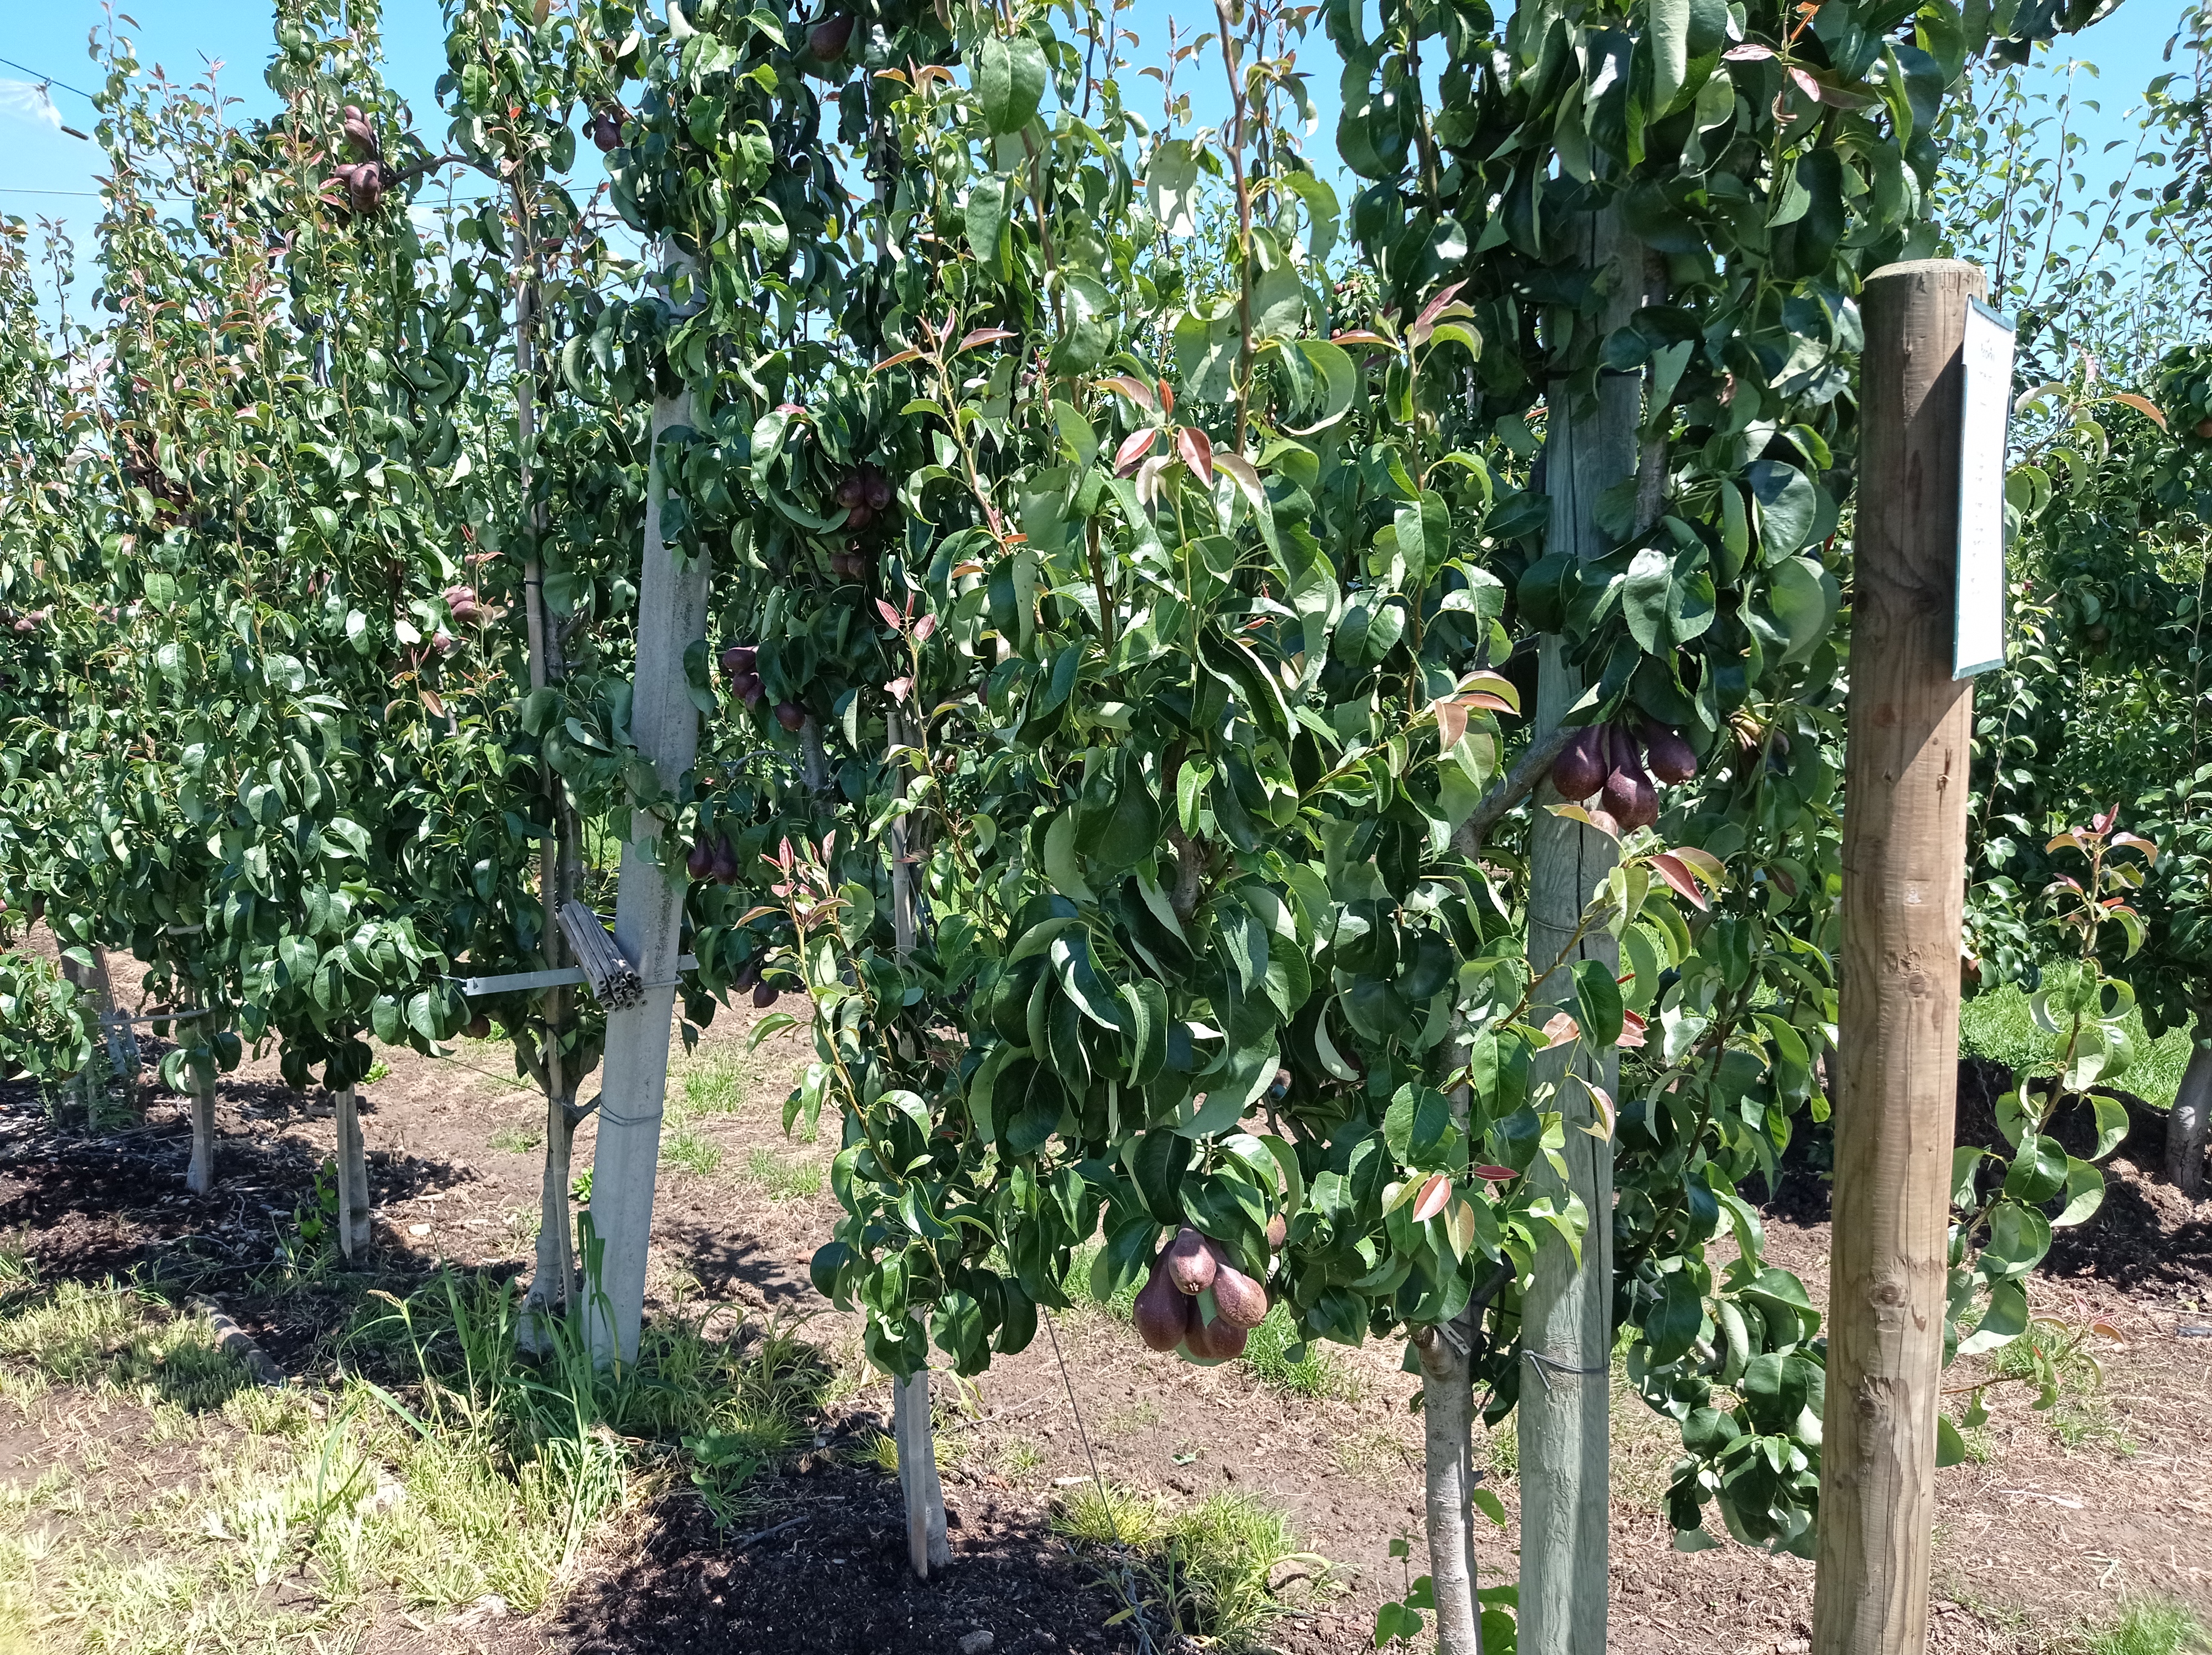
x=781 y=1179
x=519 y=1138
x=1997 y=1025
x=1204 y=1570
x=1318 y=1371
x=2081 y=1417
x=688 y=1150
x=714 y=1085
x=1020 y=1457
x=440 y=1470
x=2150 y=1628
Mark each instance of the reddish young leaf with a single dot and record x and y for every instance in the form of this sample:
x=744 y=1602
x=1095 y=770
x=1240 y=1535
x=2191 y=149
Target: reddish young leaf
x=1704 y=863
x=1197 y=451
x=1434 y=1194
x=1424 y=323
x=1633 y=1026
x=1670 y=869
x=894 y=360
x=1167 y=398
x=1748 y=52
x=1135 y=389
x=1806 y=83
x=1133 y=449
x=1496 y=1174
x=897 y=689
x=890 y=615
x=923 y=627
x=984 y=336
x=2141 y=406
x=1561 y=1031
x=1358 y=336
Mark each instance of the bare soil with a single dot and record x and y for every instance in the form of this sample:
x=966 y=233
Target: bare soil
x=2057 y=1518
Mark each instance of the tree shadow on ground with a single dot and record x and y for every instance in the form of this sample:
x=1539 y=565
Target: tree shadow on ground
x=724 y=1259
x=836 y=1581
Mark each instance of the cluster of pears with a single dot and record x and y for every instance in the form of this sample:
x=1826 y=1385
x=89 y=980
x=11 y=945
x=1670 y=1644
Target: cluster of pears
x=865 y=494
x=365 y=178
x=1197 y=1302
x=1603 y=759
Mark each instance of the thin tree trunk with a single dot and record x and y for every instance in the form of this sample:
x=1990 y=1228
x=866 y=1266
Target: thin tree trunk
x=2185 y=1127
x=92 y=1081
x=648 y=915
x=1567 y=1314
x=199 y=1176
x=353 y=1177
x=553 y=1285
x=1448 y=1419
x=927 y=1547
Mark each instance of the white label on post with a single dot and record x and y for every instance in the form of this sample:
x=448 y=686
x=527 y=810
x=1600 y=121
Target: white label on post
x=1978 y=642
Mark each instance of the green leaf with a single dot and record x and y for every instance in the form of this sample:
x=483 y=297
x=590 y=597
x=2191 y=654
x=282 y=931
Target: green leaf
x=2038 y=1172
x=2085 y=1193
x=1338 y=385
x=984 y=220
x=1785 y=503
x=2005 y=1320
x=1090 y=312
x=1671 y=1326
x=1009 y=78
x=1070 y=960
x=1060 y=859
x=1597 y=999
x=2111 y=1124
x=1950 y=1447
x=1670 y=51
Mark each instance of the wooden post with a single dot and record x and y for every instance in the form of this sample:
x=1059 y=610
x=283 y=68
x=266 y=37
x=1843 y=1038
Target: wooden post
x=1564 y=1414
x=927 y=1545
x=648 y=914
x=1904 y=889
x=352 y=1159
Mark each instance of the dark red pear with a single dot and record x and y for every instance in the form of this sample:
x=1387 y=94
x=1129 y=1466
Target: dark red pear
x=1670 y=757
x=826 y=40
x=1579 y=771
x=1241 y=1301
x=790 y=714
x=1212 y=1342
x=1190 y=1261
x=700 y=864
x=725 y=864
x=1162 y=1313
x=764 y=994
x=880 y=492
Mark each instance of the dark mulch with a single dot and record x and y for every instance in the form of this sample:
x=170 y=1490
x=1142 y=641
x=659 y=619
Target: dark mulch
x=838 y=1584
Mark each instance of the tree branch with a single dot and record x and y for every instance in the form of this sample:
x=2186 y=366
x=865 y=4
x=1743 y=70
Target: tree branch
x=1517 y=784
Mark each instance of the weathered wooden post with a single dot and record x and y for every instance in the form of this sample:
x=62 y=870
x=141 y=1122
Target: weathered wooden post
x=1563 y=1416
x=1910 y=722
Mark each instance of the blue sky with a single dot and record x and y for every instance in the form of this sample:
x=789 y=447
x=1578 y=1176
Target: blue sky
x=44 y=173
